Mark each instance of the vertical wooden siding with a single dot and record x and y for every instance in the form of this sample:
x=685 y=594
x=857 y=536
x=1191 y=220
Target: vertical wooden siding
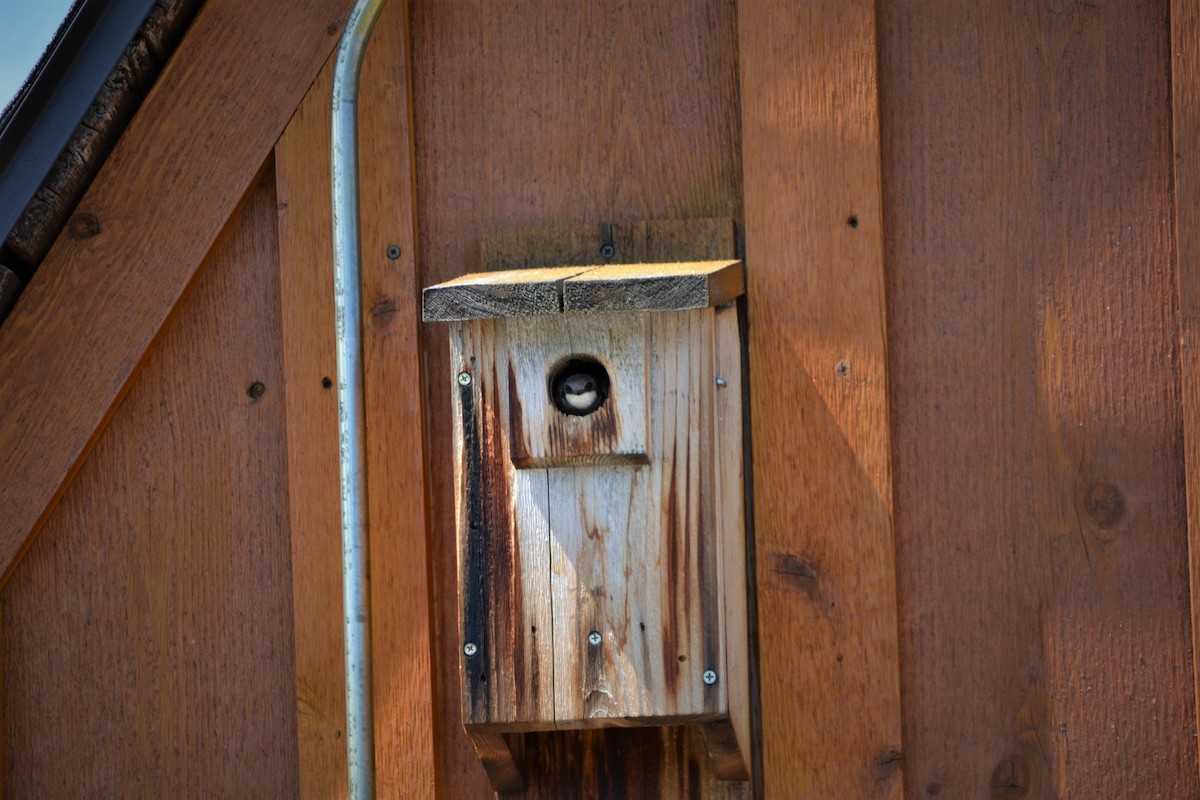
x=403 y=695
x=818 y=357
x=1035 y=396
x=148 y=631
x=1185 y=114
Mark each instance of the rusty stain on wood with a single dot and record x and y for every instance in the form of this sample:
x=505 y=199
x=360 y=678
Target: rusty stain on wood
x=636 y=544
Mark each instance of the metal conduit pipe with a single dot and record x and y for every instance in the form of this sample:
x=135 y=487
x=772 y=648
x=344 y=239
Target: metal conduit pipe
x=347 y=271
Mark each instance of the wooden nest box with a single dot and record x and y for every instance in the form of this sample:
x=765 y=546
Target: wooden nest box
x=599 y=493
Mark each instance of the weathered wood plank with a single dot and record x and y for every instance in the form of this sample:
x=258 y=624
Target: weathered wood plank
x=827 y=619
x=505 y=139
x=404 y=719
x=619 y=287
x=148 y=631
x=157 y=206
x=505 y=618
x=654 y=287
x=484 y=295
x=1185 y=116
x=730 y=743
x=1036 y=397
x=591 y=592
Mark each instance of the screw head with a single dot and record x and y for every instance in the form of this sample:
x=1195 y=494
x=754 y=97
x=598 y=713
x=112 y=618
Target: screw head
x=594 y=637
x=393 y=252
x=607 y=250
x=470 y=649
x=710 y=677
x=464 y=379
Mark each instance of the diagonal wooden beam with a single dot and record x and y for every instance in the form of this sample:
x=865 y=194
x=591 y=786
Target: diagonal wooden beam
x=81 y=330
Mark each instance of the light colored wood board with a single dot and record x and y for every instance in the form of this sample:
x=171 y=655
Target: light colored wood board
x=148 y=632
x=633 y=550
x=657 y=139
x=160 y=200
x=400 y=592
x=730 y=743
x=1035 y=397
x=633 y=243
x=484 y=295
x=670 y=286
x=543 y=436
x=1185 y=116
x=654 y=287
x=827 y=619
x=503 y=552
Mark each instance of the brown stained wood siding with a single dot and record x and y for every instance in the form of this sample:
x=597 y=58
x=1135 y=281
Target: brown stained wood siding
x=148 y=632
x=1035 y=400
x=1185 y=114
x=828 y=645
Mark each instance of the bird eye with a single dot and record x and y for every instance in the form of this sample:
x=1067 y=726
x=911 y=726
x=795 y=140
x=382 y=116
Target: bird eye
x=579 y=385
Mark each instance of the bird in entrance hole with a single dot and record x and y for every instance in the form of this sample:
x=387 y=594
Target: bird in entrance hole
x=579 y=394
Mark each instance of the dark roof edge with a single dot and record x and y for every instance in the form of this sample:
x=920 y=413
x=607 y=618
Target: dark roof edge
x=35 y=205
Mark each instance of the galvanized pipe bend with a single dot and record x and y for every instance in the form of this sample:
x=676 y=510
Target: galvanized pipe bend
x=347 y=281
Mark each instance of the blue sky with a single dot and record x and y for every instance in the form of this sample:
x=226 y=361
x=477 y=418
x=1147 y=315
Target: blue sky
x=26 y=27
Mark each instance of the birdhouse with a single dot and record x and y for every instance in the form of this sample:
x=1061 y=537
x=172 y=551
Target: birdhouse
x=599 y=493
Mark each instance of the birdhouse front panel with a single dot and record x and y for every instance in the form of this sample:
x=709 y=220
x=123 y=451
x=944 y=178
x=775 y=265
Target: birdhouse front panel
x=599 y=494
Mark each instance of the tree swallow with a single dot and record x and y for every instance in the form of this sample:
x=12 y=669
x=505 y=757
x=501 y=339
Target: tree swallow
x=578 y=394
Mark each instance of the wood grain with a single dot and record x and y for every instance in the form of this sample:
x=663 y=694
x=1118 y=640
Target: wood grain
x=1185 y=116
x=543 y=436
x=148 y=631
x=507 y=293
x=539 y=113
x=827 y=615
x=1038 y=452
x=404 y=718
x=158 y=204
x=550 y=290
x=654 y=287
x=592 y=593
x=640 y=242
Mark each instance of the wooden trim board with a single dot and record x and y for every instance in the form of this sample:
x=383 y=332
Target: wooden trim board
x=403 y=694
x=827 y=617
x=1185 y=107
